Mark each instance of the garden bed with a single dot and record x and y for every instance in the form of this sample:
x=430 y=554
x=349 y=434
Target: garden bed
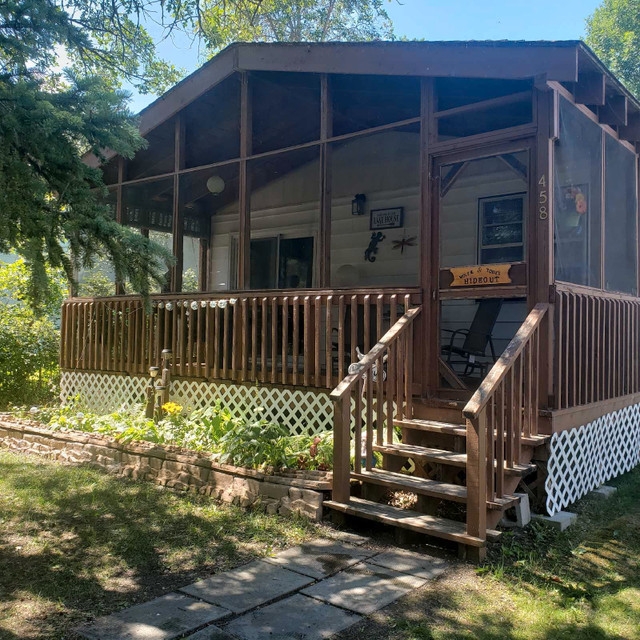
x=283 y=492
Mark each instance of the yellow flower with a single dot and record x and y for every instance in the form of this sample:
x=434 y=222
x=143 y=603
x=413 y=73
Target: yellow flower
x=171 y=408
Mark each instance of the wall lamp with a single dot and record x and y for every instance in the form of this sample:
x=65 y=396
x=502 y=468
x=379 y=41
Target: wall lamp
x=357 y=204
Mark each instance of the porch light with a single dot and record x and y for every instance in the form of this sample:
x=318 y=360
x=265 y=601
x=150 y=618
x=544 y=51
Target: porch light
x=215 y=185
x=357 y=204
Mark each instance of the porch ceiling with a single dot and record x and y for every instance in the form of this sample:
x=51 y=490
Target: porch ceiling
x=568 y=61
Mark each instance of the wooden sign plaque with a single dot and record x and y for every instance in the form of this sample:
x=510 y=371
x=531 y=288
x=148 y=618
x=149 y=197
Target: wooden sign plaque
x=482 y=275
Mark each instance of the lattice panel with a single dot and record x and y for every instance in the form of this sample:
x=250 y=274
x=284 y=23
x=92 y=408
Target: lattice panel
x=302 y=411
x=584 y=458
x=102 y=392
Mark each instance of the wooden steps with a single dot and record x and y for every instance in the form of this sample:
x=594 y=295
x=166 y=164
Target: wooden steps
x=441 y=456
x=460 y=430
x=413 y=484
x=405 y=519
x=435 y=456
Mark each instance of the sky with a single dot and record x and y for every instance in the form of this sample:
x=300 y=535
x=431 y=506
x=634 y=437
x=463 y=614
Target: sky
x=441 y=20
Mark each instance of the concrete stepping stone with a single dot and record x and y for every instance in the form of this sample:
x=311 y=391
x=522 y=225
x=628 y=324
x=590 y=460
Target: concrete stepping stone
x=164 y=618
x=320 y=558
x=294 y=618
x=247 y=587
x=211 y=633
x=411 y=562
x=364 y=588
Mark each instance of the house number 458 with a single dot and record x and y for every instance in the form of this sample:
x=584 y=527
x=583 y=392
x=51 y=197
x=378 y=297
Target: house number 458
x=543 y=199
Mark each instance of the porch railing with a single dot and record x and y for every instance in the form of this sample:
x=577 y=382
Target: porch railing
x=500 y=413
x=296 y=337
x=365 y=399
x=597 y=341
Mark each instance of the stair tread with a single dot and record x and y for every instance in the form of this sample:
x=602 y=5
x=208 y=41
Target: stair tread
x=450 y=428
x=426 y=453
x=424 y=486
x=406 y=519
x=441 y=456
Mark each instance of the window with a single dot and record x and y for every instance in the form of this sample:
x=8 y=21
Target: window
x=501 y=237
x=281 y=263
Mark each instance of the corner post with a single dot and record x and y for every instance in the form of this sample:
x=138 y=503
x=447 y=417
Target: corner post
x=477 y=476
x=341 y=490
x=542 y=262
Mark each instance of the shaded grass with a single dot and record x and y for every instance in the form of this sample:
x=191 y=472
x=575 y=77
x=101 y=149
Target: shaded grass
x=76 y=543
x=537 y=585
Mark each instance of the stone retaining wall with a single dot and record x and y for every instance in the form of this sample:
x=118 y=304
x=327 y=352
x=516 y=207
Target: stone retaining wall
x=174 y=468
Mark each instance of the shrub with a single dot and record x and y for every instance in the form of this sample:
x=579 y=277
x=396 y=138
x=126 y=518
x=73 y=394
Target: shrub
x=29 y=337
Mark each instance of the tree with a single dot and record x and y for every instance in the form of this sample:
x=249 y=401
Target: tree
x=613 y=32
x=295 y=21
x=52 y=209
x=51 y=206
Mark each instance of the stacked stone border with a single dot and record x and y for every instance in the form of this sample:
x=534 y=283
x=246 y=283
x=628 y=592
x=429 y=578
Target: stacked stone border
x=174 y=468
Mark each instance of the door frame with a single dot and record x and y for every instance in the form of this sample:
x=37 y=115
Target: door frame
x=436 y=161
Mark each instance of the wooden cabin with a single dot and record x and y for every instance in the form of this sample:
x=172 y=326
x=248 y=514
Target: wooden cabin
x=428 y=248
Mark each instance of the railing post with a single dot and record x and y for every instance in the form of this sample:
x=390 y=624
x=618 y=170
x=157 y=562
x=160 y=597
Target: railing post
x=341 y=449
x=477 y=475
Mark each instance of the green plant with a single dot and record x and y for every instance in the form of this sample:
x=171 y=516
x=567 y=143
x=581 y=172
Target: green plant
x=256 y=443
x=29 y=337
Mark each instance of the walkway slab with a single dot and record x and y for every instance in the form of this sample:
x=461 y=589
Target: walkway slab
x=211 y=633
x=295 y=618
x=320 y=558
x=164 y=618
x=247 y=587
x=410 y=562
x=364 y=588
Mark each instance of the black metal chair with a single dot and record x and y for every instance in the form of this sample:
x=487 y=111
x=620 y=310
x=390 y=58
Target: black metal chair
x=476 y=338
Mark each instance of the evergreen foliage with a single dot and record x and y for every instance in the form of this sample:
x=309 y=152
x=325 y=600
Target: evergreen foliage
x=613 y=32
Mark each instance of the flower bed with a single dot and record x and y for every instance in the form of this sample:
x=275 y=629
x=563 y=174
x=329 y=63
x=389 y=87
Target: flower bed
x=286 y=491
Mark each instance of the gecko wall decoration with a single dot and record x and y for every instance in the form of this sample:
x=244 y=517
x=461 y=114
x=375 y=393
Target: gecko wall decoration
x=372 y=249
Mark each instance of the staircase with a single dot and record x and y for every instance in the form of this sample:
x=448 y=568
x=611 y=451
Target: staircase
x=461 y=460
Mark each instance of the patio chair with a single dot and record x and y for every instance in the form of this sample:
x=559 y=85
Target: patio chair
x=476 y=338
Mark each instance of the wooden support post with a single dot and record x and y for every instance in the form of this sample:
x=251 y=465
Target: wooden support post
x=429 y=246
x=326 y=129
x=244 y=195
x=119 y=215
x=178 y=223
x=541 y=268
x=341 y=447
x=477 y=476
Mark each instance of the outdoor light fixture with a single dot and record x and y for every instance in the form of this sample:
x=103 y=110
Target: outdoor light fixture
x=153 y=371
x=215 y=185
x=357 y=204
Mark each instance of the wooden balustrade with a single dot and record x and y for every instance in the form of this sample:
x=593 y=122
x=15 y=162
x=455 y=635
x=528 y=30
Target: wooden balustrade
x=500 y=413
x=364 y=400
x=596 y=346
x=295 y=337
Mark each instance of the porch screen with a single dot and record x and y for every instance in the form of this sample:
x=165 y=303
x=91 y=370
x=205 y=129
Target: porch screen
x=577 y=197
x=620 y=240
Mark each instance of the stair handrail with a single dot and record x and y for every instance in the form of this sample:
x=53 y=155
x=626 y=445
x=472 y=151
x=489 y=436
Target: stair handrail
x=497 y=373
x=498 y=415
x=341 y=398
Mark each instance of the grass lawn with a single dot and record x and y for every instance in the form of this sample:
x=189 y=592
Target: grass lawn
x=539 y=585
x=76 y=543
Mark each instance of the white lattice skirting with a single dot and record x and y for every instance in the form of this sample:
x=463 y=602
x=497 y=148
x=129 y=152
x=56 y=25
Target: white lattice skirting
x=301 y=410
x=583 y=458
